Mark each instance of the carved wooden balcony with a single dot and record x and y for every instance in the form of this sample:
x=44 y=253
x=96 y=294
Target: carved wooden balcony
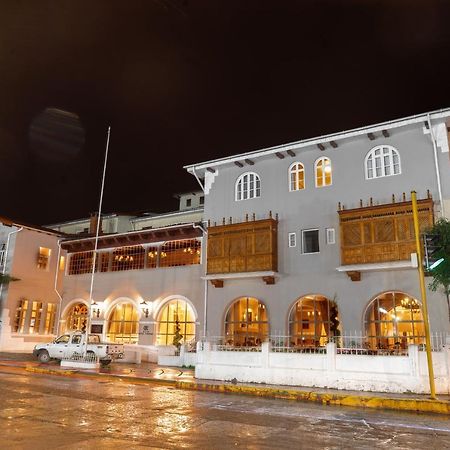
x=381 y=233
x=243 y=247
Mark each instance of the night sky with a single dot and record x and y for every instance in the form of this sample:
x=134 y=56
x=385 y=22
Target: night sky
x=182 y=81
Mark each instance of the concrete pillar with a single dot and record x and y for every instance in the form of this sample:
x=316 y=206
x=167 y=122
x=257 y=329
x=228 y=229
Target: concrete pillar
x=331 y=357
x=265 y=354
x=413 y=354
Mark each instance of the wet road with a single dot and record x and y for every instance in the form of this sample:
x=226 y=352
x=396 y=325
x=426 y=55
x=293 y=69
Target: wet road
x=45 y=412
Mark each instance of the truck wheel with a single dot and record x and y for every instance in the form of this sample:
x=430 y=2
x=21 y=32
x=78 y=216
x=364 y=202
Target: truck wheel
x=105 y=362
x=43 y=356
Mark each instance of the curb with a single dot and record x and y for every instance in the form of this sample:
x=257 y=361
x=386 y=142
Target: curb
x=336 y=399
x=398 y=404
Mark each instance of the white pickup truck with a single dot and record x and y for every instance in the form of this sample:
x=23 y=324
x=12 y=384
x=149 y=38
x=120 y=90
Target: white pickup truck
x=73 y=344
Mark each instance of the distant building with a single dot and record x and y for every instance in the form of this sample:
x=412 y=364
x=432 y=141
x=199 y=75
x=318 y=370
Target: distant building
x=29 y=306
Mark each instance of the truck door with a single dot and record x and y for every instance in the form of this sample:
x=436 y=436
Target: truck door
x=59 y=350
x=75 y=346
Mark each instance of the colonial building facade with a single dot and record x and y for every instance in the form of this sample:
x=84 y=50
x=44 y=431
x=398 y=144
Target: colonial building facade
x=315 y=238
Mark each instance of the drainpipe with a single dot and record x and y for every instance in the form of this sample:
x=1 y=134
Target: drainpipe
x=436 y=164
x=56 y=285
x=205 y=304
x=4 y=268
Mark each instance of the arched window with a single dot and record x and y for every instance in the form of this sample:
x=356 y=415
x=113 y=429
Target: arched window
x=176 y=320
x=123 y=324
x=296 y=177
x=246 y=322
x=323 y=172
x=393 y=320
x=76 y=318
x=313 y=320
x=248 y=186
x=382 y=161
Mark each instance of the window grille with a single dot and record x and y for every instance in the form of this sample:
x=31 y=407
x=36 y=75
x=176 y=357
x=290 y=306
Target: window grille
x=394 y=320
x=104 y=258
x=123 y=325
x=19 y=319
x=176 y=316
x=382 y=161
x=77 y=317
x=180 y=253
x=246 y=323
x=35 y=318
x=248 y=186
x=323 y=171
x=81 y=263
x=128 y=258
x=296 y=177
x=312 y=321
x=50 y=318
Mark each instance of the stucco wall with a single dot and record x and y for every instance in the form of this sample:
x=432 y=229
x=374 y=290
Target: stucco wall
x=301 y=274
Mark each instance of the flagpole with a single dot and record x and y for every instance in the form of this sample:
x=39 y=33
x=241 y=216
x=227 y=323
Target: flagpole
x=97 y=231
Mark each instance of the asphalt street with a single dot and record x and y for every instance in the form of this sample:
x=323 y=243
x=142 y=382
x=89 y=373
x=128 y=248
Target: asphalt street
x=49 y=412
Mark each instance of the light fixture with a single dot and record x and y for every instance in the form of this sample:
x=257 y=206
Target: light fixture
x=436 y=263
x=382 y=310
x=145 y=308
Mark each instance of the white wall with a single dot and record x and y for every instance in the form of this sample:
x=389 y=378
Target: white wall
x=395 y=374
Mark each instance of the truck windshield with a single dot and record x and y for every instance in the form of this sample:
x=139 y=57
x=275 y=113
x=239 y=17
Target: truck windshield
x=94 y=339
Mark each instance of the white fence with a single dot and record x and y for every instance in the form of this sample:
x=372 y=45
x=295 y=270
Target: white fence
x=349 y=368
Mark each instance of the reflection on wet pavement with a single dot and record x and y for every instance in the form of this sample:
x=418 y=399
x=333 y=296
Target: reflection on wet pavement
x=44 y=412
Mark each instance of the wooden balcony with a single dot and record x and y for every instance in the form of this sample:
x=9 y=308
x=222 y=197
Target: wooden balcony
x=381 y=233
x=243 y=247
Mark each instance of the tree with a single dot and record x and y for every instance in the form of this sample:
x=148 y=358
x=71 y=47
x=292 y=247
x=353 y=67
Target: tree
x=441 y=273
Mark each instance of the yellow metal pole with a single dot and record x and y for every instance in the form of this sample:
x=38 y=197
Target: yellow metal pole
x=424 y=295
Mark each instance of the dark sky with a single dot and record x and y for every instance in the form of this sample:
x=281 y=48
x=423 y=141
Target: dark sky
x=182 y=81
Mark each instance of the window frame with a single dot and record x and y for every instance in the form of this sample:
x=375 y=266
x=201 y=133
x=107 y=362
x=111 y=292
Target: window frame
x=296 y=172
x=371 y=156
x=294 y=234
x=256 y=186
x=303 y=241
x=316 y=165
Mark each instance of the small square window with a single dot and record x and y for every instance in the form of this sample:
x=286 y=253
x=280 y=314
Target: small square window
x=188 y=202
x=292 y=240
x=202 y=200
x=310 y=241
x=43 y=258
x=331 y=236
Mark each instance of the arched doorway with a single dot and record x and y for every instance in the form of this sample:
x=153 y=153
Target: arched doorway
x=246 y=322
x=175 y=323
x=393 y=320
x=123 y=324
x=313 y=320
x=76 y=318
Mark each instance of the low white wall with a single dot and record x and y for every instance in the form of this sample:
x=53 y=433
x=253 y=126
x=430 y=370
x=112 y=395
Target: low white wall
x=396 y=374
x=167 y=357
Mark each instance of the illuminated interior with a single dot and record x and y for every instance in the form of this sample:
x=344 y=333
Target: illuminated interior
x=76 y=318
x=323 y=172
x=394 y=320
x=123 y=324
x=312 y=321
x=175 y=314
x=246 y=323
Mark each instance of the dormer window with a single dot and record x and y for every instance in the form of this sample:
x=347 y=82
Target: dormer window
x=248 y=186
x=382 y=161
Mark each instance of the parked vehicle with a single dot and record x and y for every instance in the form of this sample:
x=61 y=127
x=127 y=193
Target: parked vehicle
x=74 y=344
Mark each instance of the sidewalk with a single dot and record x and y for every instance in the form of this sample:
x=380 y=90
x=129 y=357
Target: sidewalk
x=184 y=379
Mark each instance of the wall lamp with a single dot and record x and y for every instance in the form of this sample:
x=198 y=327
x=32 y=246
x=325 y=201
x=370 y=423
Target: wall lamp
x=145 y=308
